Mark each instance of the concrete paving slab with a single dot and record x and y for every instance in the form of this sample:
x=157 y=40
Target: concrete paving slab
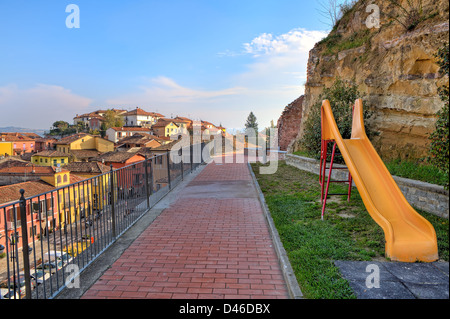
x=417 y=273
x=397 y=280
x=442 y=267
x=428 y=291
x=358 y=271
x=387 y=290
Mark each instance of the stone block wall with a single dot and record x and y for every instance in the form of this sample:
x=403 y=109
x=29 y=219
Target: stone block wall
x=431 y=198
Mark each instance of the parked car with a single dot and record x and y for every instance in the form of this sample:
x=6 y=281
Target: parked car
x=38 y=276
x=19 y=287
x=8 y=294
x=50 y=266
x=58 y=255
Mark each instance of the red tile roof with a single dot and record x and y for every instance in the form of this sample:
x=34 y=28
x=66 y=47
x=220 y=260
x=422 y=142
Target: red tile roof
x=72 y=138
x=30 y=169
x=131 y=129
x=11 y=193
x=51 y=153
x=138 y=111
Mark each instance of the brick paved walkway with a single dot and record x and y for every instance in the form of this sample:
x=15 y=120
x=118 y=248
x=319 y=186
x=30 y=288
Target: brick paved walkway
x=213 y=242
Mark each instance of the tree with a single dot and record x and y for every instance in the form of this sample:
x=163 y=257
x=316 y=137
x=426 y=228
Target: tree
x=342 y=96
x=334 y=10
x=111 y=119
x=251 y=123
x=62 y=128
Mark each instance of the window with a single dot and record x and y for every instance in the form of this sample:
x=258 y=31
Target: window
x=41 y=160
x=55 y=162
x=65 y=178
x=33 y=231
x=62 y=160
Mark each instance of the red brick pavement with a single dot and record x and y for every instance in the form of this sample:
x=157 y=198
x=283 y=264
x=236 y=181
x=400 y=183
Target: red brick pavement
x=200 y=248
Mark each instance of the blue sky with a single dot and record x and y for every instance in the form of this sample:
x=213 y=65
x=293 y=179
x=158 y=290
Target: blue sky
x=215 y=60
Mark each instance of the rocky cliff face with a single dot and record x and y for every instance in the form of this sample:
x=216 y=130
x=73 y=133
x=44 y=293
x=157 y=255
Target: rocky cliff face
x=289 y=123
x=395 y=69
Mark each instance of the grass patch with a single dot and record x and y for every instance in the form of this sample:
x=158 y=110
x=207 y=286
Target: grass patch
x=417 y=170
x=293 y=198
x=336 y=43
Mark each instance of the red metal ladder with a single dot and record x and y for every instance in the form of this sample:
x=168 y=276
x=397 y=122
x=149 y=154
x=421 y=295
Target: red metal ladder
x=323 y=180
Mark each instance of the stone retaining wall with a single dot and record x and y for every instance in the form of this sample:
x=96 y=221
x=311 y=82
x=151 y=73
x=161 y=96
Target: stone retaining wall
x=431 y=198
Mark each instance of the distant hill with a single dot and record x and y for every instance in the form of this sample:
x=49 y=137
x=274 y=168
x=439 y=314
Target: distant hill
x=10 y=129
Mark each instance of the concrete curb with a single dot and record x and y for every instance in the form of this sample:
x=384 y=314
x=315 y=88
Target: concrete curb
x=288 y=273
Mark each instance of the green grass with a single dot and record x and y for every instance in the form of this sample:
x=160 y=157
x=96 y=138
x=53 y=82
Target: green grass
x=417 y=170
x=293 y=198
x=335 y=43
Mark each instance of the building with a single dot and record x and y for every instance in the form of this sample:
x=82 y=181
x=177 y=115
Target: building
x=186 y=120
x=59 y=207
x=119 y=159
x=140 y=140
x=6 y=148
x=168 y=127
x=21 y=142
x=50 y=158
x=94 y=120
x=114 y=134
x=19 y=172
x=83 y=142
x=44 y=144
x=139 y=117
x=87 y=169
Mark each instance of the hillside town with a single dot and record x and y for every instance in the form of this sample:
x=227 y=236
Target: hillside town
x=53 y=170
x=26 y=159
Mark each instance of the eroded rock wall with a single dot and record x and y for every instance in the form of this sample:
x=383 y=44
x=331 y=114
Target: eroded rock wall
x=395 y=69
x=288 y=124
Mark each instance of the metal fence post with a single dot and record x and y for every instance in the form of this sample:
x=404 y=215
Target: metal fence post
x=113 y=209
x=146 y=181
x=182 y=165
x=191 y=156
x=168 y=169
x=25 y=247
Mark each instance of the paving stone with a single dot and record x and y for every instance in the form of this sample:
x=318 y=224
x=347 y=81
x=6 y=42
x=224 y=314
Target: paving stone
x=357 y=270
x=417 y=273
x=428 y=291
x=213 y=236
x=387 y=290
x=442 y=266
x=398 y=280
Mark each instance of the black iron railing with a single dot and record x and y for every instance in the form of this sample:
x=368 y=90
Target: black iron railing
x=48 y=239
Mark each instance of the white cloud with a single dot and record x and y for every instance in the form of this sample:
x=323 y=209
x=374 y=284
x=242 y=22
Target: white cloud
x=274 y=77
x=293 y=42
x=39 y=106
x=277 y=73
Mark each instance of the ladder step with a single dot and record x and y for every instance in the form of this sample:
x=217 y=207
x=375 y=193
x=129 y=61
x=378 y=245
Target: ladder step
x=337 y=194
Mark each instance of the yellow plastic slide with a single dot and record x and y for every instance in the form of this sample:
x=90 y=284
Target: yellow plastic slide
x=409 y=236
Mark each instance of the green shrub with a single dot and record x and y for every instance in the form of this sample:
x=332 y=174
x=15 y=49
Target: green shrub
x=341 y=96
x=439 y=150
